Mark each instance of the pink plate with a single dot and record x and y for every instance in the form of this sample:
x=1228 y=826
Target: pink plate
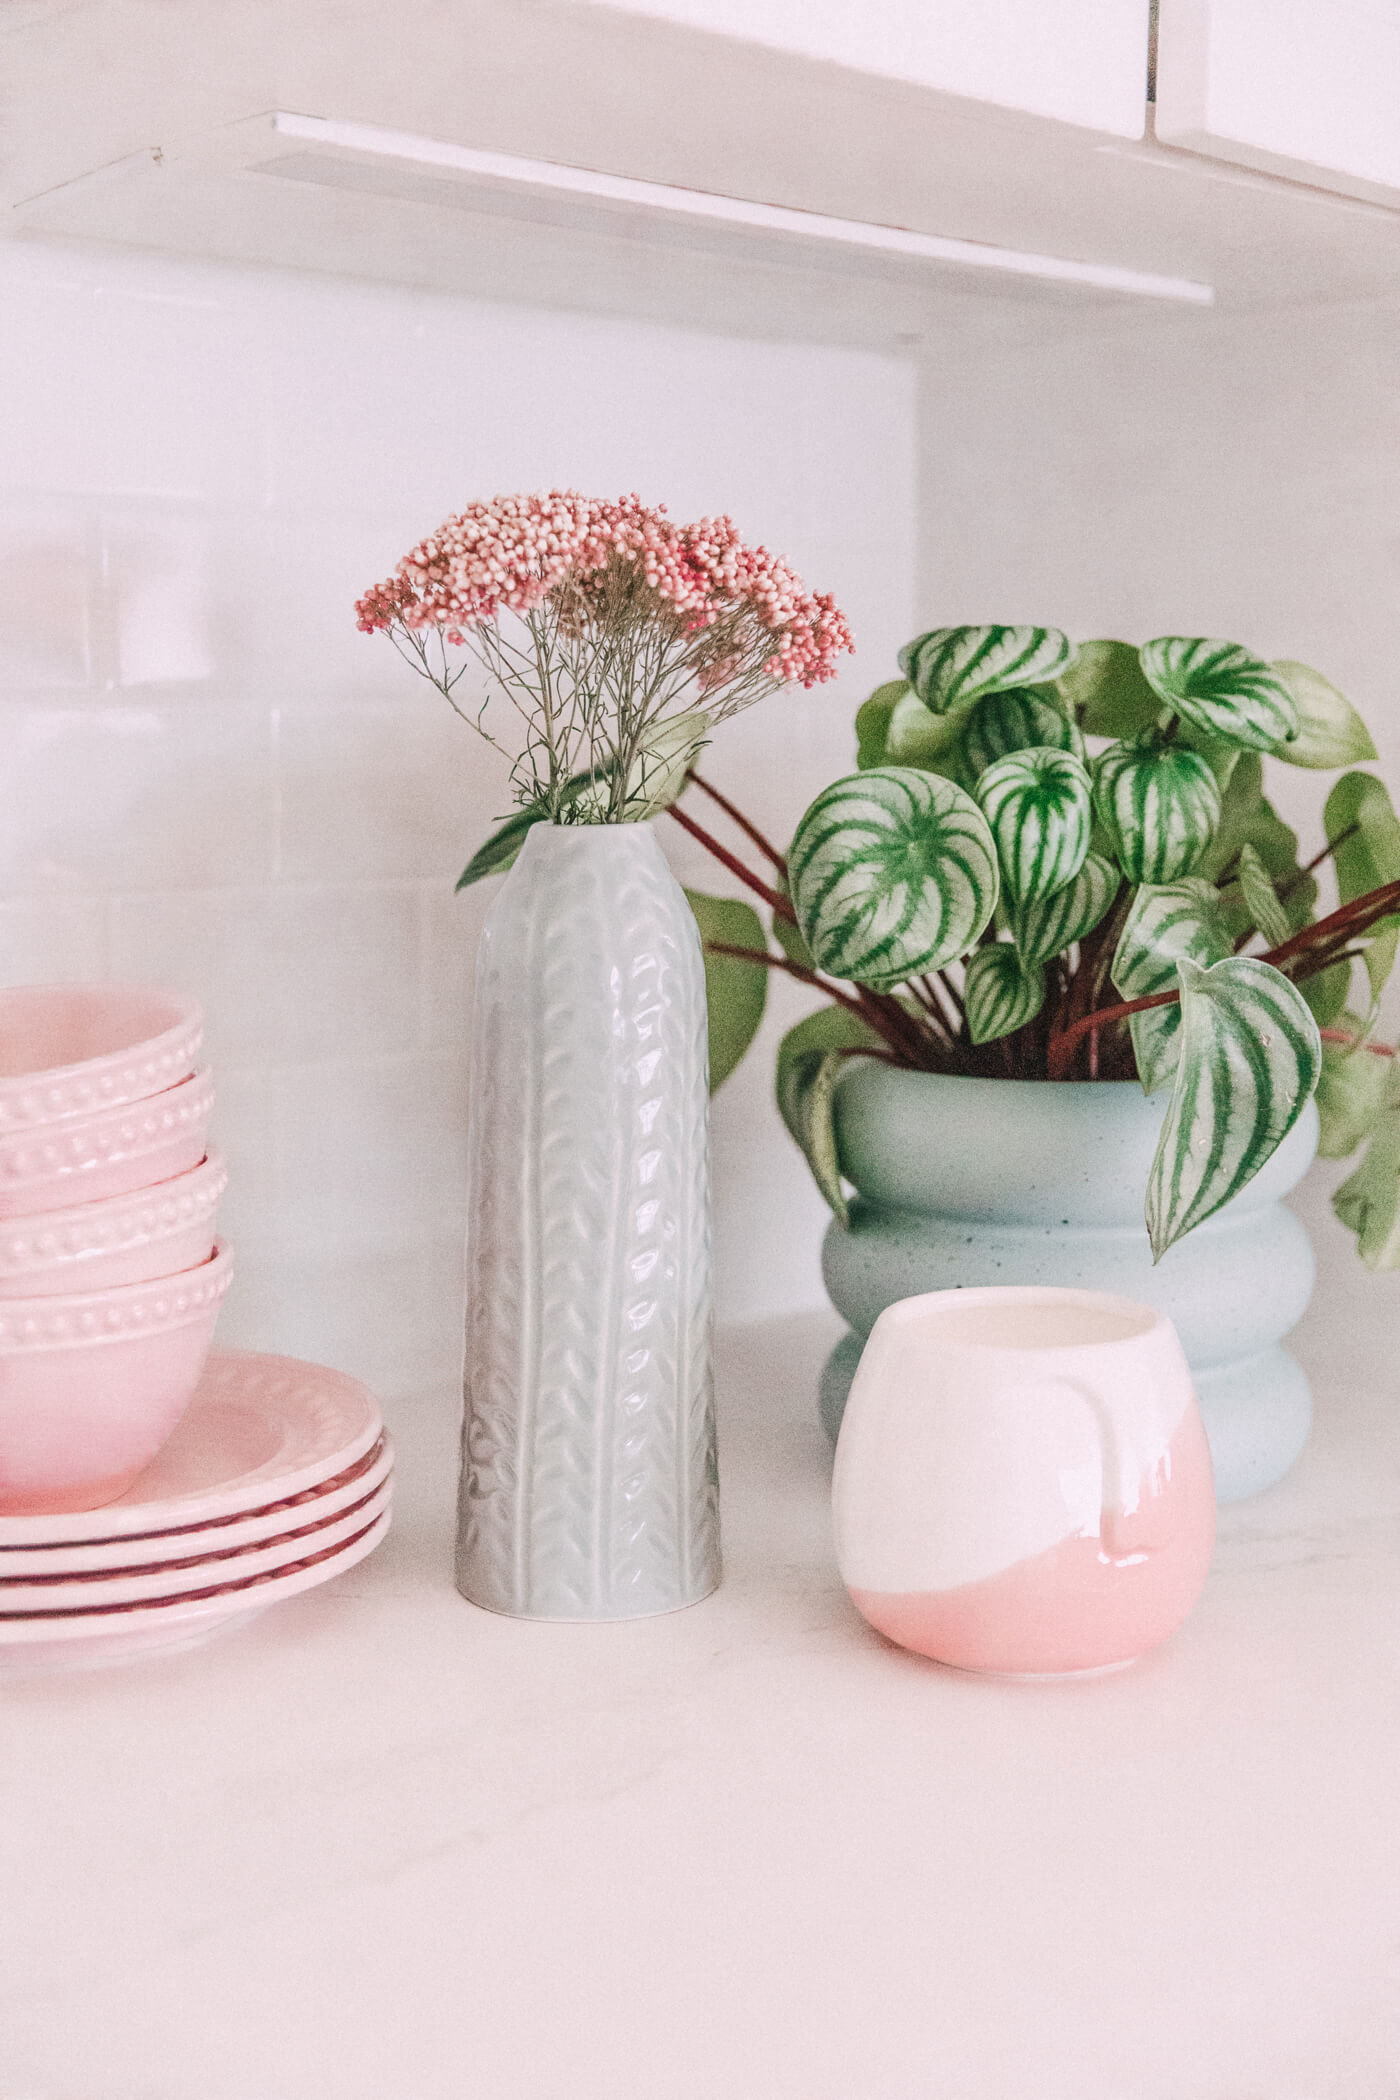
x=78 y=1640
x=149 y=1549
x=259 y=1430
x=176 y=1578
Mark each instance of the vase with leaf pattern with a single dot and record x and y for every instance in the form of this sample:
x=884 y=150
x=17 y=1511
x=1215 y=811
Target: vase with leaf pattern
x=589 y=1487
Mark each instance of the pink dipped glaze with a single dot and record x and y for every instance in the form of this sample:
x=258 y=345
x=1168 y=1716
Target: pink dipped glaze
x=1086 y=1602
x=92 y=1385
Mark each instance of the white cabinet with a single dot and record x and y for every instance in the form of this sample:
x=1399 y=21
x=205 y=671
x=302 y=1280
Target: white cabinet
x=1304 y=88
x=1083 y=61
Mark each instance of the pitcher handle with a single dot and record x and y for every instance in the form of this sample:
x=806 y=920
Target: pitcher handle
x=1112 y=1515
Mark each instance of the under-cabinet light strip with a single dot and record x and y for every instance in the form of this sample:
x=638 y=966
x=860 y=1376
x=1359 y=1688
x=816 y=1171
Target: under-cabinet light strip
x=733 y=211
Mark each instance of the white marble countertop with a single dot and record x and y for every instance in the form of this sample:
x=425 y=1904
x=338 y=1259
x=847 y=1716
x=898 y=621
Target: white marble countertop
x=382 y=1846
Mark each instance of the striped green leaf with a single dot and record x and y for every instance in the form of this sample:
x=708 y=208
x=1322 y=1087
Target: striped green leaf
x=811 y=1059
x=1001 y=992
x=1266 y=915
x=1005 y=722
x=950 y=666
x=1250 y=1059
x=893 y=872
x=1040 y=806
x=1159 y=804
x=1046 y=926
x=1330 y=731
x=1222 y=689
x=1166 y=923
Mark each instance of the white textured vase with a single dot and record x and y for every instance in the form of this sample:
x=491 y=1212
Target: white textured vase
x=589 y=1487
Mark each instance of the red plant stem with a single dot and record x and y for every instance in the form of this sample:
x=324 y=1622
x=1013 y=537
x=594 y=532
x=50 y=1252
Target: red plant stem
x=735 y=866
x=872 y=1015
x=1339 y=1035
x=736 y=816
x=1336 y=929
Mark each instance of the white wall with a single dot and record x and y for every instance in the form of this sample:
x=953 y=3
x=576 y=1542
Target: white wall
x=212 y=779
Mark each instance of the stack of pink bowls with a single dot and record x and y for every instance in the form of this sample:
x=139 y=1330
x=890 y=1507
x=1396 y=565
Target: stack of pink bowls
x=111 y=1275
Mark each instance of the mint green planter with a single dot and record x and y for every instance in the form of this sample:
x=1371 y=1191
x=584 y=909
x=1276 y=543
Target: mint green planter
x=977 y=1181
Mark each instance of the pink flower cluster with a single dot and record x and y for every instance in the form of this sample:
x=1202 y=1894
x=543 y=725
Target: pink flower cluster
x=508 y=555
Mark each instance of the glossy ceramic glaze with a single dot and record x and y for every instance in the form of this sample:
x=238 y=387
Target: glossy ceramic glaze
x=130 y=1238
x=80 y=1640
x=91 y=1386
x=260 y=1431
x=141 y=1579
x=1022 y=1481
x=71 y=1049
x=589 y=1486
x=105 y=1152
x=147 y=1549
x=964 y=1182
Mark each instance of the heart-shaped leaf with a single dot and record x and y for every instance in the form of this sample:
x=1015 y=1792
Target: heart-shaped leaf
x=1368 y=1201
x=1250 y=1059
x=1360 y=818
x=1166 y=923
x=1046 y=926
x=950 y=666
x=873 y=721
x=1265 y=914
x=893 y=872
x=1159 y=804
x=1330 y=731
x=1001 y=992
x=1005 y=722
x=811 y=1058
x=1222 y=689
x=1247 y=817
x=1040 y=805
x=1106 y=692
x=1352 y=1091
x=735 y=992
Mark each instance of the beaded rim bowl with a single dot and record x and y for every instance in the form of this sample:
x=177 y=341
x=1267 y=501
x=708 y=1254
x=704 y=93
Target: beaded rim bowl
x=84 y=1158
x=71 y=1049
x=141 y=1234
x=91 y=1318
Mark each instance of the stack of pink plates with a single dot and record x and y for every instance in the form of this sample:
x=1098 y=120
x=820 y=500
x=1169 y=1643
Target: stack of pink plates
x=278 y=1478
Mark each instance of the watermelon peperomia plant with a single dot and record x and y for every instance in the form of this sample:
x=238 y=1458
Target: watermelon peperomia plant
x=1056 y=864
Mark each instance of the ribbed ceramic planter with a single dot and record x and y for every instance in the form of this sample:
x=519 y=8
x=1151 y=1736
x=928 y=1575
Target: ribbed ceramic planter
x=589 y=1487
x=977 y=1181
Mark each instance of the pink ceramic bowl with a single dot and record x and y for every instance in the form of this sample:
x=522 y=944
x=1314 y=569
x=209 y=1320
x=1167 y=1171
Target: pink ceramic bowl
x=68 y=1049
x=83 y=1159
x=133 y=1238
x=91 y=1386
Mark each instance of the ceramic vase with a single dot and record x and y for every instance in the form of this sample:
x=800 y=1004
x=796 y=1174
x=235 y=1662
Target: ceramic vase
x=966 y=1182
x=589 y=1487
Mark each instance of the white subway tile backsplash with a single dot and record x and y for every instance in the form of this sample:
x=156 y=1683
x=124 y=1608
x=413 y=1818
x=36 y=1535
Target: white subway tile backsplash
x=46 y=573
x=125 y=392
x=157 y=591
x=286 y=976
x=370 y=1154
x=216 y=781
x=52 y=940
x=384 y=790
x=136 y=795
